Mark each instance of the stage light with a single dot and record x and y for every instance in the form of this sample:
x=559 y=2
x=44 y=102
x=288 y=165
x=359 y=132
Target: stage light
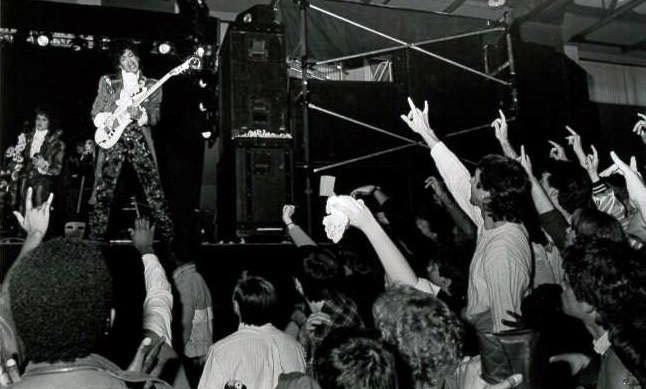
x=496 y=3
x=43 y=39
x=202 y=107
x=164 y=48
x=202 y=83
x=200 y=51
x=206 y=134
x=104 y=43
x=78 y=44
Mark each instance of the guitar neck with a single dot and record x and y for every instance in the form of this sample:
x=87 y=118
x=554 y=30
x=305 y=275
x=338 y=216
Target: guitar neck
x=152 y=89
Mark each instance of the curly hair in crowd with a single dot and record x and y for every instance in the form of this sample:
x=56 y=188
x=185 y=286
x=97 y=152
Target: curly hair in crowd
x=603 y=273
x=628 y=338
x=572 y=182
x=591 y=222
x=61 y=296
x=508 y=186
x=320 y=273
x=256 y=299
x=427 y=334
x=353 y=359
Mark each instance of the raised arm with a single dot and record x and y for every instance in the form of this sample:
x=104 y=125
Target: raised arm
x=158 y=304
x=455 y=175
x=502 y=134
x=296 y=233
x=395 y=264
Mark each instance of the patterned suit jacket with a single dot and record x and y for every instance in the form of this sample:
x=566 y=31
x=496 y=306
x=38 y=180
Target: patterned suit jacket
x=52 y=150
x=110 y=90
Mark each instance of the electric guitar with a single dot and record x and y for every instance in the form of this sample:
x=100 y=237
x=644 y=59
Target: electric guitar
x=113 y=123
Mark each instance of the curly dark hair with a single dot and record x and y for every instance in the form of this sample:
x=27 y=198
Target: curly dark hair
x=320 y=273
x=119 y=47
x=593 y=223
x=61 y=296
x=257 y=300
x=508 y=186
x=628 y=338
x=427 y=334
x=572 y=182
x=603 y=273
x=354 y=359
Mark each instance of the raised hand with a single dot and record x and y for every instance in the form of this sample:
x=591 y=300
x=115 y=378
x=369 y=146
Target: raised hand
x=417 y=120
x=142 y=236
x=363 y=191
x=640 y=126
x=525 y=161
x=317 y=319
x=501 y=128
x=574 y=140
x=356 y=211
x=592 y=164
x=557 y=152
x=288 y=213
x=36 y=219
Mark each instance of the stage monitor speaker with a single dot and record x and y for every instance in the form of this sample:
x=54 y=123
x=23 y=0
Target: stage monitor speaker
x=255 y=181
x=253 y=83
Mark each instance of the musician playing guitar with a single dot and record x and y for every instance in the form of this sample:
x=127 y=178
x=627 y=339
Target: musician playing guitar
x=134 y=145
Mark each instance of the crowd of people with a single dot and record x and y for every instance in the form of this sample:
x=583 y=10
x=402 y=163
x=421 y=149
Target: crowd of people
x=506 y=277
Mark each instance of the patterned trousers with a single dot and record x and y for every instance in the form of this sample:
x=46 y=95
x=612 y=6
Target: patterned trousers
x=132 y=147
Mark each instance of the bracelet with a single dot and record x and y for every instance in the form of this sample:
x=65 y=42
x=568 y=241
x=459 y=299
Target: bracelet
x=289 y=224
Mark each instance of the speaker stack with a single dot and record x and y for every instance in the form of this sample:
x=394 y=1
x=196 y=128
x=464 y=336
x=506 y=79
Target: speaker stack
x=255 y=168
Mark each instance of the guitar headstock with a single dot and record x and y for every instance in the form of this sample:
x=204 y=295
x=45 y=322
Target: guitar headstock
x=192 y=63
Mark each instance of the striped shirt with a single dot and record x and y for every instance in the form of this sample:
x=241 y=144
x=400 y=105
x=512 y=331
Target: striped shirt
x=499 y=274
x=253 y=355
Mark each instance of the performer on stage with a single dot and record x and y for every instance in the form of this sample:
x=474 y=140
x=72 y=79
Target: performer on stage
x=134 y=145
x=40 y=152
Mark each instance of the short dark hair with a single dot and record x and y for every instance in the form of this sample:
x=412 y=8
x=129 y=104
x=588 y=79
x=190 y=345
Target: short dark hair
x=353 y=359
x=591 y=222
x=601 y=273
x=119 y=47
x=508 y=186
x=320 y=273
x=427 y=334
x=572 y=182
x=257 y=300
x=61 y=295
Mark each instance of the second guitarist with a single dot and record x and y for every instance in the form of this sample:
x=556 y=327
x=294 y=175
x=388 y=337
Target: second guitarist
x=134 y=146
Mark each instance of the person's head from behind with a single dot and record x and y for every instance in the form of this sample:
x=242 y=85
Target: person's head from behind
x=567 y=185
x=426 y=333
x=255 y=300
x=61 y=300
x=592 y=223
x=501 y=187
x=352 y=359
x=319 y=275
x=600 y=274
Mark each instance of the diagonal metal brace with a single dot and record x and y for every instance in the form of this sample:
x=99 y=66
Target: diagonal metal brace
x=410 y=45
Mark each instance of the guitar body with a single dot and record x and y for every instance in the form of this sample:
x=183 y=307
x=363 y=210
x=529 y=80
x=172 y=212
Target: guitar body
x=106 y=137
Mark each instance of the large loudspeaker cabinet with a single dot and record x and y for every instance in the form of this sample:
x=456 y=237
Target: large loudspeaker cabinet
x=253 y=81
x=255 y=168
